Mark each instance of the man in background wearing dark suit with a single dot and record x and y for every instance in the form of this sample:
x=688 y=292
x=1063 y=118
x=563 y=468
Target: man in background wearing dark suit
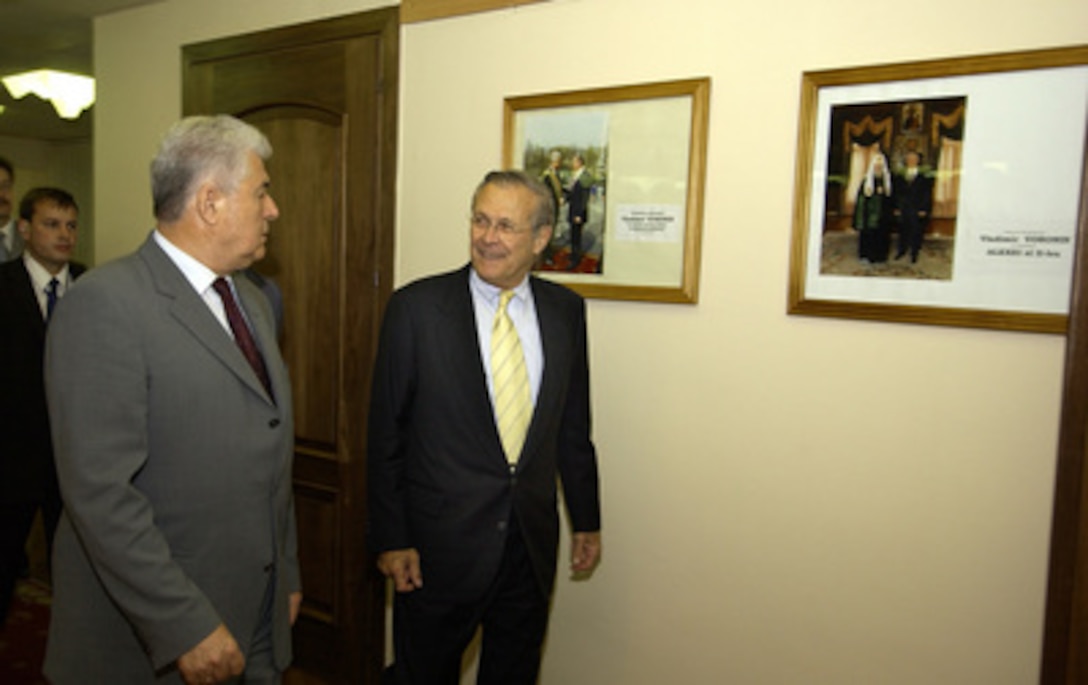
x=176 y=555
x=462 y=511
x=11 y=243
x=29 y=287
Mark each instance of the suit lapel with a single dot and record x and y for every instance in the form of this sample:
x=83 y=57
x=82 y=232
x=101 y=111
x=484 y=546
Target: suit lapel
x=552 y=336
x=187 y=307
x=458 y=317
x=18 y=280
x=26 y=300
x=457 y=320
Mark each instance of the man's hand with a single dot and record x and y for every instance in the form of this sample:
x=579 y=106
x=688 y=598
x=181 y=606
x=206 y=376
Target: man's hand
x=402 y=565
x=215 y=659
x=585 y=551
x=295 y=600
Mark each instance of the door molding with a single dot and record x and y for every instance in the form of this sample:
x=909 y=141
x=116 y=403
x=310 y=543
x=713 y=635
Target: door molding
x=1065 y=657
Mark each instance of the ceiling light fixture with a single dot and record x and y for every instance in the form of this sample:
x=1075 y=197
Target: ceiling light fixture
x=69 y=93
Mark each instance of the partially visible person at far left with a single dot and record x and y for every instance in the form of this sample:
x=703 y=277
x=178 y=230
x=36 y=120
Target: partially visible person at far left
x=11 y=243
x=175 y=559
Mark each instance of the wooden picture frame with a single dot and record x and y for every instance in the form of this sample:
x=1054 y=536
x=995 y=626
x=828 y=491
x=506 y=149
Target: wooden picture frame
x=635 y=158
x=1000 y=138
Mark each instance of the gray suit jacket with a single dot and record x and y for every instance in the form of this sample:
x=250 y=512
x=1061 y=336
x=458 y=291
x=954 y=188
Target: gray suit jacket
x=175 y=469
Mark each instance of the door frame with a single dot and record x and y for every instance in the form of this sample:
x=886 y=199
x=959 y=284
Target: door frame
x=1065 y=657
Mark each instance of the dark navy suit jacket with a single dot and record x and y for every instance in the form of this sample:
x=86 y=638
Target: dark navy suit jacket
x=26 y=452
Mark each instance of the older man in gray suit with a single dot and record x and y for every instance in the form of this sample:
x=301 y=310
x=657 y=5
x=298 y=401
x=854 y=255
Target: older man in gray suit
x=176 y=557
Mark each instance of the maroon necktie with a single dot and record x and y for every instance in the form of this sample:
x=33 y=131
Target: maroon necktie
x=242 y=336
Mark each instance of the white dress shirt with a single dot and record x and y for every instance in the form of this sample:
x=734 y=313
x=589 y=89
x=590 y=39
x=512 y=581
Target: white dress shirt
x=201 y=278
x=522 y=311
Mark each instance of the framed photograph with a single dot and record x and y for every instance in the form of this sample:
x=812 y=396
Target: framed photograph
x=626 y=167
x=942 y=192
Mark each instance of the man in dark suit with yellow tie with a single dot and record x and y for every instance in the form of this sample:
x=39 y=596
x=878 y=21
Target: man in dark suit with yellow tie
x=176 y=555
x=29 y=288
x=463 y=479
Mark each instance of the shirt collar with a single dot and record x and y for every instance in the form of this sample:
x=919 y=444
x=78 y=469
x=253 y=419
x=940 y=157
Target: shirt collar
x=491 y=293
x=198 y=275
x=40 y=277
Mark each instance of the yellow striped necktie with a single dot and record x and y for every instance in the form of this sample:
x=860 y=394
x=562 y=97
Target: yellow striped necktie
x=513 y=405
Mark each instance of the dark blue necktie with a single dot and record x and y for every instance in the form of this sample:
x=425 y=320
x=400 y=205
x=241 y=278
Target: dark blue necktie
x=50 y=297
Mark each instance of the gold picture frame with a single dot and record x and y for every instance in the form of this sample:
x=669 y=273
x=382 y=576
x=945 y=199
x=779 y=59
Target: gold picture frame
x=996 y=143
x=631 y=163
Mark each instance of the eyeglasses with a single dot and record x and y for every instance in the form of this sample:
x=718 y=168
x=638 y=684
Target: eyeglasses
x=483 y=223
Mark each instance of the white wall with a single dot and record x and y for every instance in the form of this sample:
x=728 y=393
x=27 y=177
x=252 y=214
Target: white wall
x=786 y=499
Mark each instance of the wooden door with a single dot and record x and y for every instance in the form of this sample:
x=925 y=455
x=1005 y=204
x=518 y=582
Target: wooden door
x=325 y=94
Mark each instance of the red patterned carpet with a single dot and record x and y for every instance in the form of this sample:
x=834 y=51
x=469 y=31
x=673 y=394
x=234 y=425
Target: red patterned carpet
x=22 y=639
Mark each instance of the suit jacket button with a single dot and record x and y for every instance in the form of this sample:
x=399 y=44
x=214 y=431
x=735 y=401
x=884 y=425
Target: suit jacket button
x=274 y=423
x=502 y=526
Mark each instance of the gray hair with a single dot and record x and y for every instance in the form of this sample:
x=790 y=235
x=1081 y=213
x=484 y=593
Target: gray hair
x=198 y=148
x=543 y=214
